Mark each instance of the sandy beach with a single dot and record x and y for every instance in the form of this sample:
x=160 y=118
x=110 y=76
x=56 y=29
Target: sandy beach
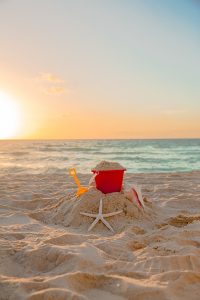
x=99 y=150
x=46 y=251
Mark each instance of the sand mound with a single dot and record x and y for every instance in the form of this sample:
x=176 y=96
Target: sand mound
x=67 y=211
x=183 y=220
x=107 y=165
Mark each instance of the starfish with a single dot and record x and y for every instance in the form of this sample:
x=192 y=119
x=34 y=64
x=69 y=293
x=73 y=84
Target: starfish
x=100 y=217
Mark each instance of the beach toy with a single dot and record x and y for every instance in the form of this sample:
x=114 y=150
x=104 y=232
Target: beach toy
x=109 y=181
x=134 y=194
x=81 y=190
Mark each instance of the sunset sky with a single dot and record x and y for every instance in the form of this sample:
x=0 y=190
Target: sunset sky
x=99 y=68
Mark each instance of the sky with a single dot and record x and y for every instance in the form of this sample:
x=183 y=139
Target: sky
x=101 y=68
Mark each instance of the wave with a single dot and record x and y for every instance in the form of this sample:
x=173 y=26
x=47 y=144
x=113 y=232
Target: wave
x=137 y=156
x=17 y=153
x=140 y=159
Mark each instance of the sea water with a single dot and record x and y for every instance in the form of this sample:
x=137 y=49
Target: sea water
x=56 y=156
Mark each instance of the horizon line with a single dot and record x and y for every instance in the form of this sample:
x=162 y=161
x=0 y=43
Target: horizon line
x=100 y=139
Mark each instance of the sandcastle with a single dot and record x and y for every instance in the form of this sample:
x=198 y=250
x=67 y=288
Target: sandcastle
x=95 y=211
x=97 y=203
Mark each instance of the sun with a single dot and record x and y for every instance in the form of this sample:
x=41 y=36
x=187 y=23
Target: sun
x=9 y=116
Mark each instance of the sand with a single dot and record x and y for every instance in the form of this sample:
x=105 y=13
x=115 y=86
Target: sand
x=105 y=165
x=46 y=251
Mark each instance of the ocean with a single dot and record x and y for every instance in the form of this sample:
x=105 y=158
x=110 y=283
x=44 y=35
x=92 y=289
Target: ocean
x=138 y=156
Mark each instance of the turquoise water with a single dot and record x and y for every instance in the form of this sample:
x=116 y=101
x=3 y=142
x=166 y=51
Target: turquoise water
x=42 y=157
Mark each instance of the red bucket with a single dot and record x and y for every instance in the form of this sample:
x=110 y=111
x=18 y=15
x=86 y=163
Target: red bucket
x=109 y=181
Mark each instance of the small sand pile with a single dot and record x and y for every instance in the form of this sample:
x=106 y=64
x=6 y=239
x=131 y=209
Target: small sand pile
x=107 y=165
x=67 y=211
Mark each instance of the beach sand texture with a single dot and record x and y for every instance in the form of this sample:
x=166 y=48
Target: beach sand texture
x=46 y=251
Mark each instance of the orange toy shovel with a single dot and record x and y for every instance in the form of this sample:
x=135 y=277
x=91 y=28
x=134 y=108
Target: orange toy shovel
x=81 y=190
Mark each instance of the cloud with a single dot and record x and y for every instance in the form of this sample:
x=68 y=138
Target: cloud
x=50 y=84
x=49 y=77
x=55 y=90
